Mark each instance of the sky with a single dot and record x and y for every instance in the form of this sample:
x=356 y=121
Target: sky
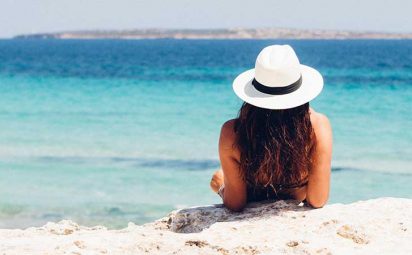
x=37 y=16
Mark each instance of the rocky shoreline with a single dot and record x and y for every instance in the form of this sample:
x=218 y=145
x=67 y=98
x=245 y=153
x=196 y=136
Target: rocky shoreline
x=229 y=33
x=378 y=226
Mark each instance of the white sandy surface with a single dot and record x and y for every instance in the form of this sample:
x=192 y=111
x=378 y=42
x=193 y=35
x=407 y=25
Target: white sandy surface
x=379 y=226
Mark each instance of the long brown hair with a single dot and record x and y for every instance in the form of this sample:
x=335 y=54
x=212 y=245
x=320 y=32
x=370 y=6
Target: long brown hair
x=275 y=145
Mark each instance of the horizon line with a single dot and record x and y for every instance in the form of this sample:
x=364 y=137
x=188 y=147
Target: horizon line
x=205 y=29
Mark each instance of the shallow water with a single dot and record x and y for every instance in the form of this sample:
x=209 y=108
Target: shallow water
x=106 y=132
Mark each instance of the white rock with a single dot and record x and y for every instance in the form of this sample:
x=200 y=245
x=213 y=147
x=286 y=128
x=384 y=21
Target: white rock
x=379 y=226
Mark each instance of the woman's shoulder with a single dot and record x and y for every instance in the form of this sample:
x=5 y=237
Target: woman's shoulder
x=229 y=125
x=228 y=130
x=321 y=126
x=318 y=118
x=228 y=138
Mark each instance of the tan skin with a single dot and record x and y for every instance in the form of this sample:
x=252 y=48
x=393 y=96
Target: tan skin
x=316 y=192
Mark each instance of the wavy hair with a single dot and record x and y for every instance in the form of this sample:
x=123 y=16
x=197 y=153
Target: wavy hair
x=275 y=145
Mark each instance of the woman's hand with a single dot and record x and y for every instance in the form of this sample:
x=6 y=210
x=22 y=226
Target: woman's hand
x=217 y=180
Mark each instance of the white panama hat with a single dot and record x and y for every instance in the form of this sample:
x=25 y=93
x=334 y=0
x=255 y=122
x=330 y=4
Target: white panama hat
x=278 y=80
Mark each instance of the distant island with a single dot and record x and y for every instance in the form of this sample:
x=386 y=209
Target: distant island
x=233 y=33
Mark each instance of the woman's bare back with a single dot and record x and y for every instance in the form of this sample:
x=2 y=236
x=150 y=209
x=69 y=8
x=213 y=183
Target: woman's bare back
x=316 y=191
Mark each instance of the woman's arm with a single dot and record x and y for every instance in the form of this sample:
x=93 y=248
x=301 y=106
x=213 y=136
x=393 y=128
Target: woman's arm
x=234 y=193
x=317 y=191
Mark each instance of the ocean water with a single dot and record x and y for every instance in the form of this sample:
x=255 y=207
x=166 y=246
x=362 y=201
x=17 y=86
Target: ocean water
x=111 y=131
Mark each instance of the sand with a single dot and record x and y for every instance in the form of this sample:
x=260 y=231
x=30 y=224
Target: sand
x=379 y=226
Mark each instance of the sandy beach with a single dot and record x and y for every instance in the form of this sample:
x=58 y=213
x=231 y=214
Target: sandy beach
x=379 y=226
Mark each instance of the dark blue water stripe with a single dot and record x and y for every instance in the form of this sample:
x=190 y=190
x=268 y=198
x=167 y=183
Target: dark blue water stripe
x=158 y=163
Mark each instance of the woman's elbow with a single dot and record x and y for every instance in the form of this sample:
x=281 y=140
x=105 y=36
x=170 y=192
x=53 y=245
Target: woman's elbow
x=317 y=198
x=316 y=202
x=234 y=206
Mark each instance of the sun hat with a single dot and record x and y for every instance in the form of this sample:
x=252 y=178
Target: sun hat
x=278 y=80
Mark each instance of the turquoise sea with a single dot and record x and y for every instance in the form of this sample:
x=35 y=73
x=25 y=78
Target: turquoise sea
x=112 y=131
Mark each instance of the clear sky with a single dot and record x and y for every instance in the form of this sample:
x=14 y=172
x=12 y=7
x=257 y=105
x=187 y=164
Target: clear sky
x=34 y=16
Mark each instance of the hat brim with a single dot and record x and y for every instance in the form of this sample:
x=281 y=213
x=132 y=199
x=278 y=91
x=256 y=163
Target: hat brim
x=312 y=84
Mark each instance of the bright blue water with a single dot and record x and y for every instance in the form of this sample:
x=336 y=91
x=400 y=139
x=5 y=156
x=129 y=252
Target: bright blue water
x=106 y=132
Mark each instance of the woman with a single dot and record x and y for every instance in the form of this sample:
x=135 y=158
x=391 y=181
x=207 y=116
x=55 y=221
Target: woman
x=278 y=147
